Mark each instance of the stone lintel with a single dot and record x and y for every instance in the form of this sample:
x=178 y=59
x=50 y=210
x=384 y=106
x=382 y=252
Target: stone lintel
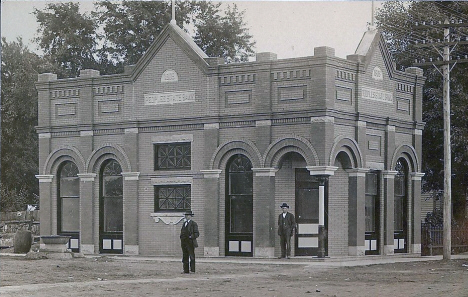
x=322 y=170
x=265 y=171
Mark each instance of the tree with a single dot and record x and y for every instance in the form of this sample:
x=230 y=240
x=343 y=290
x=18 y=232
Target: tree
x=67 y=37
x=399 y=24
x=19 y=155
x=131 y=27
x=223 y=35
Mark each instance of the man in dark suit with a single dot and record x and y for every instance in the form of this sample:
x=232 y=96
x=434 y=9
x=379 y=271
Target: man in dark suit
x=188 y=241
x=286 y=227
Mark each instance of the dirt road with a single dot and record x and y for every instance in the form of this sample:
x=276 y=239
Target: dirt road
x=121 y=276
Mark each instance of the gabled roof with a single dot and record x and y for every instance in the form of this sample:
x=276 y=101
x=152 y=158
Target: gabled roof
x=181 y=38
x=370 y=42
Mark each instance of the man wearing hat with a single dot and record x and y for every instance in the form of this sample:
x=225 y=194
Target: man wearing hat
x=188 y=241
x=286 y=227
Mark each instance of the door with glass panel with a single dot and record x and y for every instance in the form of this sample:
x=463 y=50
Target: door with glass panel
x=400 y=242
x=111 y=208
x=239 y=207
x=307 y=213
x=68 y=204
x=372 y=213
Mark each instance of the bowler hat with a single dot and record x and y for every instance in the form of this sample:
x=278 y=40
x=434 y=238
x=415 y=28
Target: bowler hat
x=188 y=213
x=284 y=205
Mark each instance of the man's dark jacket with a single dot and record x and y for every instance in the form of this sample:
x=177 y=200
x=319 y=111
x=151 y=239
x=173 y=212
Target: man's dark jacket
x=286 y=225
x=191 y=232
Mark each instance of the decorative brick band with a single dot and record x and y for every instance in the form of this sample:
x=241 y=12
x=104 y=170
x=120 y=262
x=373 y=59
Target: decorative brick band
x=131 y=131
x=171 y=180
x=172 y=138
x=87 y=133
x=45 y=135
x=211 y=126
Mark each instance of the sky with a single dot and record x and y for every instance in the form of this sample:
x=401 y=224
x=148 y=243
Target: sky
x=288 y=28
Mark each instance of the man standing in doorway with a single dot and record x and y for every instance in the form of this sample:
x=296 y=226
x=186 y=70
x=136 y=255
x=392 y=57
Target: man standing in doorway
x=188 y=241
x=286 y=227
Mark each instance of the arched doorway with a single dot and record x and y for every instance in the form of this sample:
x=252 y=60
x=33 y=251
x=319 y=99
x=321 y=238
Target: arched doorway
x=111 y=208
x=401 y=207
x=68 y=204
x=239 y=206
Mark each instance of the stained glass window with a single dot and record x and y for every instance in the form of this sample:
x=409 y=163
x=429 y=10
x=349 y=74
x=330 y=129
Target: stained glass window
x=172 y=156
x=172 y=197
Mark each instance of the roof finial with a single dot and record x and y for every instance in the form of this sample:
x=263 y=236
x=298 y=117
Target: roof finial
x=372 y=24
x=173 y=21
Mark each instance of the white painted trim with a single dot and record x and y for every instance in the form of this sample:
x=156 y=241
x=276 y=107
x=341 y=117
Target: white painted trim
x=211 y=126
x=417 y=175
x=84 y=177
x=45 y=135
x=171 y=180
x=131 y=131
x=213 y=173
x=87 y=133
x=322 y=170
x=362 y=124
x=389 y=173
x=265 y=171
x=262 y=123
x=324 y=119
x=168 y=218
x=172 y=138
x=357 y=172
x=44 y=178
x=131 y=175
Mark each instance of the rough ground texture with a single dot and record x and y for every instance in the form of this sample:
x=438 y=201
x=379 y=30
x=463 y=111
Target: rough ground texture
x=121 y=276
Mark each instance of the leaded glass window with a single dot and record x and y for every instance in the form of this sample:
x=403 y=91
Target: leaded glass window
x=172 y=198
x=112 y=197
x=400 y=195
x=371 y=201
x=240 y=194
x=69 y=194
x=169 y=156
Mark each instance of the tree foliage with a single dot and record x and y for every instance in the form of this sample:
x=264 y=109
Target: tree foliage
x=19 y=154
x=119 y=33
x=401 y=23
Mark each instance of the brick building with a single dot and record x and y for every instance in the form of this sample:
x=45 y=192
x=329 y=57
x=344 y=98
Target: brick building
x=339 y=140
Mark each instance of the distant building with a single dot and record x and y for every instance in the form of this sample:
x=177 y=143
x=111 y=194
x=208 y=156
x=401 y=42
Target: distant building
x=339 y=140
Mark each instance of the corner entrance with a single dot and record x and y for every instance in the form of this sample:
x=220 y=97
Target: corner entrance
x=307 y=213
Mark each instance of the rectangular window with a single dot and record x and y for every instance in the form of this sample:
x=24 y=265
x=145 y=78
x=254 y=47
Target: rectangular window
x=371 y=205
x=170 y=156
x=172 y=198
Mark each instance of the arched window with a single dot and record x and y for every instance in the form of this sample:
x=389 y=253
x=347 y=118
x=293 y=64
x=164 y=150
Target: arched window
x=112 y=197
x=68 y=202
x=401 y=204
x=239 y=206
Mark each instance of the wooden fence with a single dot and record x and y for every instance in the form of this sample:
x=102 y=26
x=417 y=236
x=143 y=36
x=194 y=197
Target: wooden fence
x=432 y=239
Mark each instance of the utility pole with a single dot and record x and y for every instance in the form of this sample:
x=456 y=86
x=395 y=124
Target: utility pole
x=445 y=65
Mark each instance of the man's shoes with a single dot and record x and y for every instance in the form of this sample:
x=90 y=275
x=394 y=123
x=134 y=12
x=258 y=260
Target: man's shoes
x=184 y=272
x=280 y=257
x=288 y=257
